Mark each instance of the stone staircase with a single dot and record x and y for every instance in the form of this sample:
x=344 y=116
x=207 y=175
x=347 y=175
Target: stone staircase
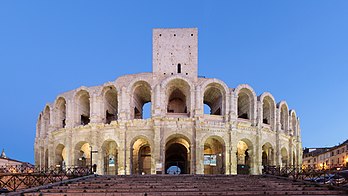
x=148 y=185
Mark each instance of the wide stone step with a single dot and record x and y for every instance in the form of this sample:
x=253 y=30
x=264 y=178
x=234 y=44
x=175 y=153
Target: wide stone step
x=186 y=185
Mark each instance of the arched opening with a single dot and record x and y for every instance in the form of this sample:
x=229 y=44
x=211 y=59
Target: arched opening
x=178 y=97
x=213 y=98
x=268 y=106
x=83 y=107
x=244 y=154
x=141 y=153
x=267 y=155
x=284 y=117
x=82 y=154
x=110 y=154
x=214 y=156
x=177 y=102
x=61 y=112
x=284 y=154
x=141 y=97
x=244 y=106
x=294 y=163
x=46 y=121
x=38 y=127
x=110 y=104
x=46 y=159
x=293 y=124
x=177 y=159
x=60 y=157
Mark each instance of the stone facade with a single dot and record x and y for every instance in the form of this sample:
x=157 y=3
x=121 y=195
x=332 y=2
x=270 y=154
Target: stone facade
x=240 y=133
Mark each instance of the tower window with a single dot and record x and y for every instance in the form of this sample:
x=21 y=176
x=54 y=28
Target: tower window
x=179 y=68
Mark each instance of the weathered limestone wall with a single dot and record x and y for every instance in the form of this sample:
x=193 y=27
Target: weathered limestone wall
x=244 y=127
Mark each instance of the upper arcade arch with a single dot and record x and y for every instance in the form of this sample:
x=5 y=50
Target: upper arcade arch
x=293 y=122
x=46 y=121
x=83 y=107
x=283 y=116
x=141 y=94
x=38 y=125
x=214 y=95
x=268 y=114
x=60 y=108
x=246 y=102
x=178 y=96
x=110 y=103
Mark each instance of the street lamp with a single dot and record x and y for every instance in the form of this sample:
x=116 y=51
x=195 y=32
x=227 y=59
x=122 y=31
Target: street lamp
x=92 y=151
x=347 y=162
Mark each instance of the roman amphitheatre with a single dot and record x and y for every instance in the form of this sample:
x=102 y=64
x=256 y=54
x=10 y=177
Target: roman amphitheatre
x=197 y=125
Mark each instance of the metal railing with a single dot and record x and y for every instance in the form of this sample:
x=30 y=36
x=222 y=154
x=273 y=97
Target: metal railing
x=330 y=177
x=13 y=178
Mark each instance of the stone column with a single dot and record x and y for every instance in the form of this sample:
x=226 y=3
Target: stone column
x=199 y=102
x=123 y=104
x=122 y=149
x=157 y=153
x=157 y=98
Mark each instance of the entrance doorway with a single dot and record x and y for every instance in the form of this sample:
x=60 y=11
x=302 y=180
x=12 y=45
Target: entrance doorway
x=177 y=157
x=214 y=156
x=141 y=157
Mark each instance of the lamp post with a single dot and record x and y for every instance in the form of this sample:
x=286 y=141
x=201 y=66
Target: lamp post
x=347 y=162
x=92 y=151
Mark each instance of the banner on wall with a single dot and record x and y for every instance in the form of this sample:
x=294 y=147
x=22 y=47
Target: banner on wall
x=209 y=159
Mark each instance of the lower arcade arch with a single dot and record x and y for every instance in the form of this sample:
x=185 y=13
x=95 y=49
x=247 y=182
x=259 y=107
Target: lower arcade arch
x=244 y=156
x=141 y=157
x=177 y=156
x=110 y=157
x=60 y=156
x=214 y=156
x=82 y=154
x=284 y=157
x=267 y=155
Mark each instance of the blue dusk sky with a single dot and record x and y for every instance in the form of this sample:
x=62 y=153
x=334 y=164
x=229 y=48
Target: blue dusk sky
x=297 y=50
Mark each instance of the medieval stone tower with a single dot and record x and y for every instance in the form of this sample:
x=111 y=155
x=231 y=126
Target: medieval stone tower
x=196 y=125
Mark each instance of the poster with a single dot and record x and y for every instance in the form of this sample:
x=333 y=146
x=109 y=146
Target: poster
x=206 y=160
x=111 y=161
x=209 y=159
x=213 y=160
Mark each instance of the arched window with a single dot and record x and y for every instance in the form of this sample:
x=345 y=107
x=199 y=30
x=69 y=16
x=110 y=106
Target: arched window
x=294 y=123
x=83 y=107
x=177 y=102
x=268 y=110
x=213 y=99
x=244 y=107
x=141 y=100
x=178 y=97
x=110 y=104
x=61 y=112
x=284 y=117
x=179 y=68
x=46 y=121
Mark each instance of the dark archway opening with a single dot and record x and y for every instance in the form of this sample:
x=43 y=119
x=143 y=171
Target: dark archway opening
x=177 y=155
